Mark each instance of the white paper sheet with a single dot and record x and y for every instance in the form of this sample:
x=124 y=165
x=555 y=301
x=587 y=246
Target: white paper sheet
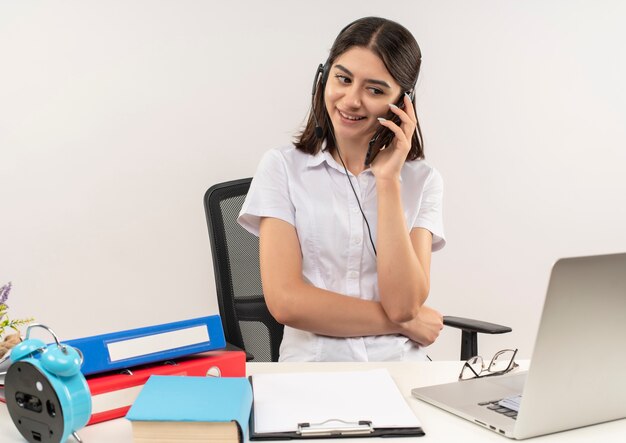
x=281 y=401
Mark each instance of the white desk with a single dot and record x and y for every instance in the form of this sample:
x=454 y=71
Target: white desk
x=439 y=425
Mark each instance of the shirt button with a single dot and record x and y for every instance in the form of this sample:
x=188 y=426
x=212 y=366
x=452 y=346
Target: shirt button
x=355 y=209
x=357 y=241
x=353 y=274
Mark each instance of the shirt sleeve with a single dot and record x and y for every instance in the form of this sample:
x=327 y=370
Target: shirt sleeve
x=430 y=214
x=268 y=195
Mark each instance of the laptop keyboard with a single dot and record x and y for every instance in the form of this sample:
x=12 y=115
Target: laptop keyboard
x=500 y=406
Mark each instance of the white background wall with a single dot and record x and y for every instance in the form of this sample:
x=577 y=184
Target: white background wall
x=116 y=116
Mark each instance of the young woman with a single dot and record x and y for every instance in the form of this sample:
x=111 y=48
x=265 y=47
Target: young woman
x=345 y=246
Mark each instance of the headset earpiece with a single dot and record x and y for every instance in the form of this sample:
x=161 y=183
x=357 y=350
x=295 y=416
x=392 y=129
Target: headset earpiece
x=321 y=75
x=325 y=72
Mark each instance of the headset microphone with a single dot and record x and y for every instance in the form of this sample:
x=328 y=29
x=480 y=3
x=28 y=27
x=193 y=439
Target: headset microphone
x=319 y=133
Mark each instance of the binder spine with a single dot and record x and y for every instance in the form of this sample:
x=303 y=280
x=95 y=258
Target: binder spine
x=119 y=350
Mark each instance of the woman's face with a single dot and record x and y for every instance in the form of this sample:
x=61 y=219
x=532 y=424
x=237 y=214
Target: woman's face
x=358 y=91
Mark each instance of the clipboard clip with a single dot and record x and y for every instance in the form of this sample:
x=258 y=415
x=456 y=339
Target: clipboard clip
x=335 y=427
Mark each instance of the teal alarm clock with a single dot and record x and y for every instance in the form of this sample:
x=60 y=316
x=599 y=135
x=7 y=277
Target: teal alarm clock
x=47 y=396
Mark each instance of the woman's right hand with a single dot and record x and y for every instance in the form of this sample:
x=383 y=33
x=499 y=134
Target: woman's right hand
x=424 y=328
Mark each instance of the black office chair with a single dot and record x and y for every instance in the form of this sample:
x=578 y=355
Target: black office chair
x=248 y=324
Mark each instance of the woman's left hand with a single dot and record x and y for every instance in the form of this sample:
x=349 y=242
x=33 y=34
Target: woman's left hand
x=425 y=328
x=389 y=161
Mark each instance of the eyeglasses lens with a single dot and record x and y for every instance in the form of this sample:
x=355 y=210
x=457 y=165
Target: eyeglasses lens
x=472 y=368
x=501 y=361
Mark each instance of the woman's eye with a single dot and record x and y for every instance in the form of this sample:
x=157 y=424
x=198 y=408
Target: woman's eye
x=376 y=91
x=342 y=79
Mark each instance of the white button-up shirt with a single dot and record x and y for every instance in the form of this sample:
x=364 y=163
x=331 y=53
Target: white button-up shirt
x=312 y=193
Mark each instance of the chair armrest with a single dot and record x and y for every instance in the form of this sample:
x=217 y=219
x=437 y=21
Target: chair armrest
x=471 y=325
x=469 y=332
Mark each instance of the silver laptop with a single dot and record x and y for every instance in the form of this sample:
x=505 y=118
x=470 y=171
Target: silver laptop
x=577 y=373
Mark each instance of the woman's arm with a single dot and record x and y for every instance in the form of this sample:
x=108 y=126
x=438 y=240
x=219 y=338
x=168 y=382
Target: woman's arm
x=296 y=303
x=403 y=258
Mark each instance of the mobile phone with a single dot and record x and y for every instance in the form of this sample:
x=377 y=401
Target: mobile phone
x=383 y=136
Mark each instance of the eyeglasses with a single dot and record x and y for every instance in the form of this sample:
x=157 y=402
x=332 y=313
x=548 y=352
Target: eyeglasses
x=501 y=363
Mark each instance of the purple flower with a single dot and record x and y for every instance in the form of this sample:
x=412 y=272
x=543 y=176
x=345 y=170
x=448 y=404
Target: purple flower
x=4 y=293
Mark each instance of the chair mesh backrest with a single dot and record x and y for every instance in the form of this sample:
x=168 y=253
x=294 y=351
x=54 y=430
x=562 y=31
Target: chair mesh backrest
x=247 y=321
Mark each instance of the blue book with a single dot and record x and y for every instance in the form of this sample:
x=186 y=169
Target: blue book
x=181 y=408
x=133 y=347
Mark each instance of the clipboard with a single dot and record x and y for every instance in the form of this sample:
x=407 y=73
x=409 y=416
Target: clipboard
x=292 y=396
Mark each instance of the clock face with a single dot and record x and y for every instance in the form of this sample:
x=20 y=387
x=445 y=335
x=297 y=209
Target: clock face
x=33 y=403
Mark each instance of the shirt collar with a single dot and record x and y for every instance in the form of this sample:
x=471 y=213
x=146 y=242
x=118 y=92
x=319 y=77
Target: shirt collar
x=317 y=159
x=325 y=156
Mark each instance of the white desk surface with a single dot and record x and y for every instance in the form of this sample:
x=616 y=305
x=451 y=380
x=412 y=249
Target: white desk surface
x=440 y=426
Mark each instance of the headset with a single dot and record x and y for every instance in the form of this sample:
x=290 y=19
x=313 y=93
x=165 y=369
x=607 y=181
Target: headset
x=47 y=396
x=381 y=138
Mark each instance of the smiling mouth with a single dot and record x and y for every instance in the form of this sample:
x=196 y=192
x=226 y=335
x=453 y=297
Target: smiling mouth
x=353 y=118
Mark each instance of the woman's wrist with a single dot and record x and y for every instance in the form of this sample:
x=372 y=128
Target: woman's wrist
x=388 y=184
x=401 y=328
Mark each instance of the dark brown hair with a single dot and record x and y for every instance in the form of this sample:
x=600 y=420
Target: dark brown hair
x=401 y=55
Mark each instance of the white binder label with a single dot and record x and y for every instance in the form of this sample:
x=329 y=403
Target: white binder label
x=136 y=347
